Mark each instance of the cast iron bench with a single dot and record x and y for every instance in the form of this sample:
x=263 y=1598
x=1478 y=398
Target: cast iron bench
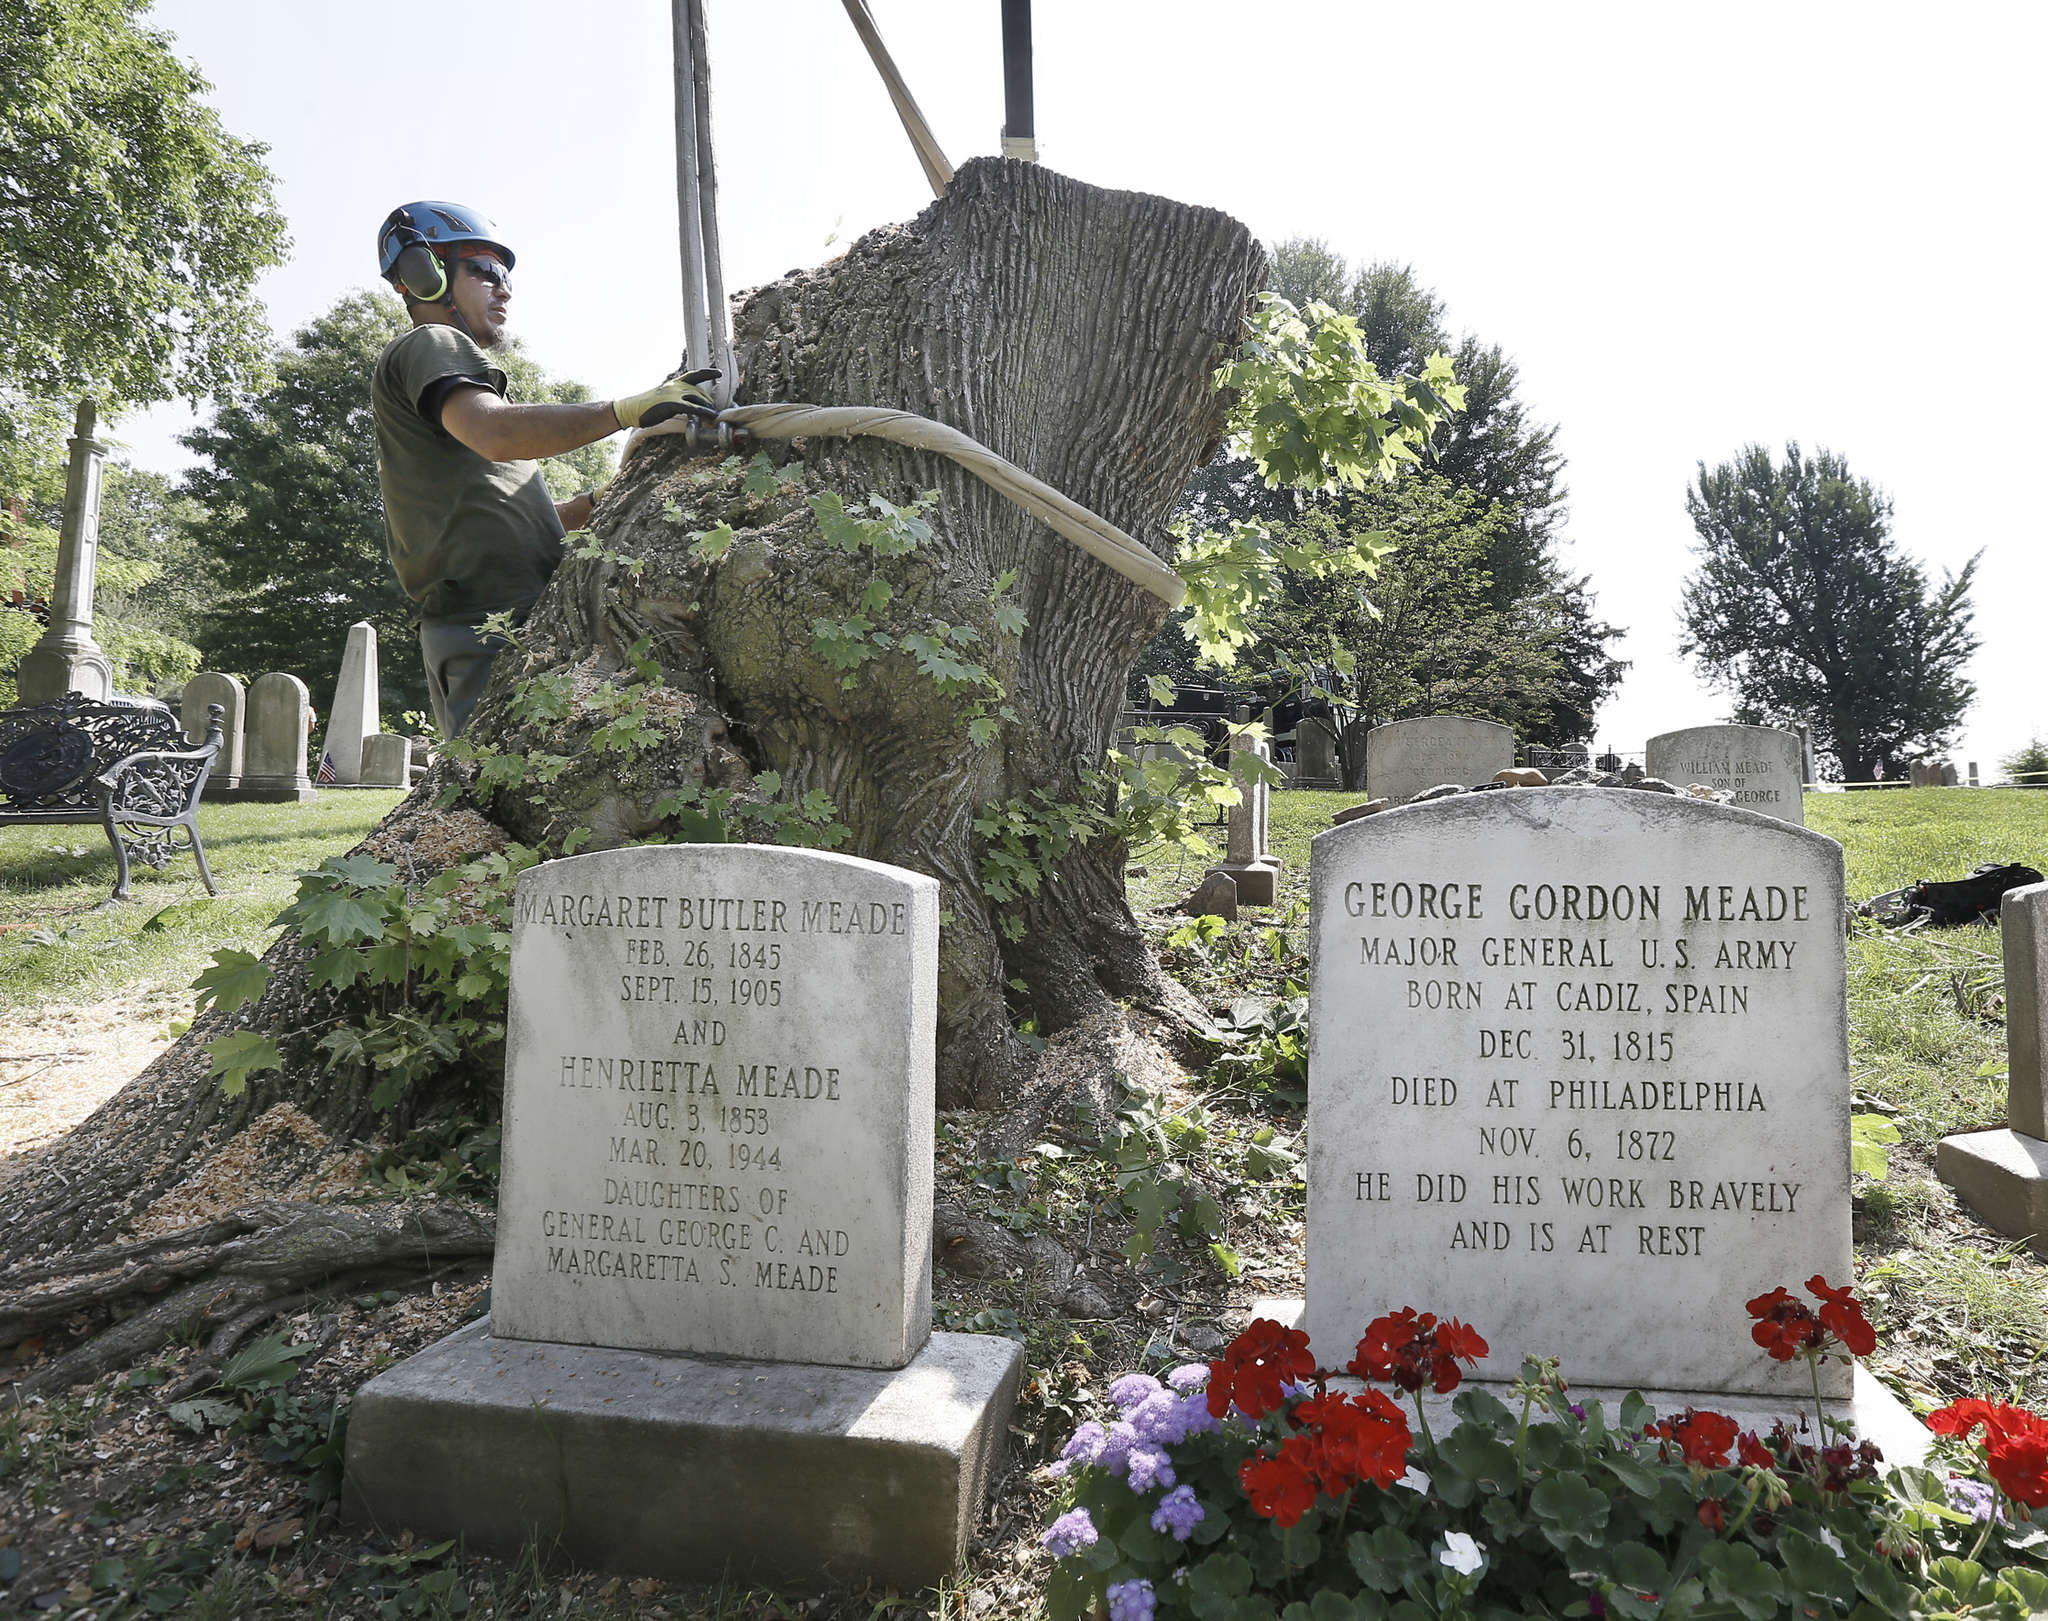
x=121 y=762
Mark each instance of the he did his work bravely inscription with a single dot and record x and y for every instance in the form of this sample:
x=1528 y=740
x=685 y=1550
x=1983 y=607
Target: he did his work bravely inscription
x=719 y=1105
x=1578 y=1076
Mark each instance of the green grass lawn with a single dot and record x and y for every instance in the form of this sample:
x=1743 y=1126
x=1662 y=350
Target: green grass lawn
x=64 y=946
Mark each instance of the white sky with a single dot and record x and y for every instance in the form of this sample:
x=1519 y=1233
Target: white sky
x=1693 y=225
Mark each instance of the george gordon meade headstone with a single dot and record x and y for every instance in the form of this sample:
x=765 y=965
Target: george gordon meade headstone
x=1762 y=766
x=718 y=1105
x=1407 y=756
x=1579 y=1075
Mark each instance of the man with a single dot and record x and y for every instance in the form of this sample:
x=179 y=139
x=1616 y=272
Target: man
x=471 y=528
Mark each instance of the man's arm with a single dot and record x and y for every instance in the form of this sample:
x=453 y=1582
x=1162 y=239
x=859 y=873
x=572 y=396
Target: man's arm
x=500 y=431
x=575 y=512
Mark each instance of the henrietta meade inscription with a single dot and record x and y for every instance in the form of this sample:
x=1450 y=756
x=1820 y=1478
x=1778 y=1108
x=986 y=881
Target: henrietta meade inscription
x=1587 y=1076
x=715 y=1091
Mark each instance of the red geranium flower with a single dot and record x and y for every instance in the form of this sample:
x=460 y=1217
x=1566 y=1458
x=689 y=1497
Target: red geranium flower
x=2015 y=1444
x=1362 y=1437
x=1712 y=1515
x=1751 y=1453
x=1409 y=1351
x=1279 y=1487
x=1784 y=1326
x=1841 y=1314
x=1702 y=1437
x=1255 y=1366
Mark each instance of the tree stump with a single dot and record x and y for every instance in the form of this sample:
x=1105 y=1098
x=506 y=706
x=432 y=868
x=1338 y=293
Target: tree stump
x=1071 y=329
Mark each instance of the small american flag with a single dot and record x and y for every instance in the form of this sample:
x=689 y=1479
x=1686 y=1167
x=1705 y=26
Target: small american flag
x=325 y=775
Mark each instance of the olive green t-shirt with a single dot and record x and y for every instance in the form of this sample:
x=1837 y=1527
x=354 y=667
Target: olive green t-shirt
x=468 y=536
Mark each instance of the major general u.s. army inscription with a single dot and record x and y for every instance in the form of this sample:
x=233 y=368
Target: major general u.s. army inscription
x=1578 y=1074
x=718 y=1121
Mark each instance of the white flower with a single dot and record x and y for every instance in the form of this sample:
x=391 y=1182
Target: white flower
x=1461 y=1553
x=1415 y=1480
x=1831 y=1539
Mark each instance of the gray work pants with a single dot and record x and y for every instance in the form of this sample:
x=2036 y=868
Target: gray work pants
x=458 y=660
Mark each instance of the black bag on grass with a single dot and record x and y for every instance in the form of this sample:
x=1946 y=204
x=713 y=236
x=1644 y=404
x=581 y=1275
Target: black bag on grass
x=1951 y=901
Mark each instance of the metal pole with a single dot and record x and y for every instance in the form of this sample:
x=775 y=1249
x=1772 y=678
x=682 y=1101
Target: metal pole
x=689 y=206
x=936 y=169
x=719 y=346
x=1020 y=138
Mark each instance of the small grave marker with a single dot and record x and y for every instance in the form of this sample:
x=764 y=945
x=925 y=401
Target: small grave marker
x=1761 y=765
x=1407 y=756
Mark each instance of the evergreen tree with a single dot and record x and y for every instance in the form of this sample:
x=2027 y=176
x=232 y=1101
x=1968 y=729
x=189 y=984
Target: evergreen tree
x=1804 y=607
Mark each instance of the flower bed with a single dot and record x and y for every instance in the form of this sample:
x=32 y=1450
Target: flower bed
x=1252 y=1489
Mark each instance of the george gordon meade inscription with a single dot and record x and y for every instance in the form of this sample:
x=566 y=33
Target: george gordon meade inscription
x=718 y=1105
x=1578 y=1072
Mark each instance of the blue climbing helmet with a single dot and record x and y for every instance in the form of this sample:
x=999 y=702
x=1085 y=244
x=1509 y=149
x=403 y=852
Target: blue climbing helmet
x=412 y=244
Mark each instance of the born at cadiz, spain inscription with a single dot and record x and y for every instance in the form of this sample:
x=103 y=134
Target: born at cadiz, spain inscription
x=1578 y=1075
x=718 y=1105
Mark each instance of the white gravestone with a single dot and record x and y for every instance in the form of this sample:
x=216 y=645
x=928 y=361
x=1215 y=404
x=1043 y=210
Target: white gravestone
x=274 y=739
x=718 y=1105
x=1315 y=751
x=1407 y=756
x=1254 y=870
x=356 y=701
x=1579 y=1075
x=204 y=689
x=2003 y=1174
x=1762 y=766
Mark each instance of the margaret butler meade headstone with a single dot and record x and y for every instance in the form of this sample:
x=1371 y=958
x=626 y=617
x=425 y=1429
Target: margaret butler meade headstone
x=1578 y=1076
x=718 y=1106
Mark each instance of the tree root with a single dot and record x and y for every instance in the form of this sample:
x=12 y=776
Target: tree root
x=233 y=1275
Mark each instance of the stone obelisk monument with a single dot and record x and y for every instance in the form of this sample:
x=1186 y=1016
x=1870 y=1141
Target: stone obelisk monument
x=66 y=658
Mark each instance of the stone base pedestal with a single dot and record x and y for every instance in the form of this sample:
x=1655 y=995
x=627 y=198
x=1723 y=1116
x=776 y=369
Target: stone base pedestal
x=687 y=1468
x=1870 y=1410
x=1258 y=882
x=2003 y=1176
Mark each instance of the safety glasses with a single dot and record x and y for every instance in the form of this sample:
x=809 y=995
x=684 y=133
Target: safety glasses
x=491 y=271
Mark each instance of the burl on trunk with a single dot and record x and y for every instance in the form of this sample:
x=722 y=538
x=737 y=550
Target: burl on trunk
x=1072 y=330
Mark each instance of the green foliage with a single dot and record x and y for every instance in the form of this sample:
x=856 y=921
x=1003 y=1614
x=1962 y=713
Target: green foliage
x=2030 y=764
x=426 y=968
x=1803 y=606
x=132 y=225
x=1870 y=1136
x=247 y=1398
x=287 y=506
x=1169 y=1167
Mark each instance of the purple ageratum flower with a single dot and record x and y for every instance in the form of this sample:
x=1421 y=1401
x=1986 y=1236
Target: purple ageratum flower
x=1974 y=1498
x=1116 y=1446
x=1161 y=1419
x=1131 y=1601
x=1070 y=1533
x=1132 y=1389
x=1085 y=1446
x=1147 y=1468
x=1178 y=1513
x=1196 y=1419
x=1189 y=1376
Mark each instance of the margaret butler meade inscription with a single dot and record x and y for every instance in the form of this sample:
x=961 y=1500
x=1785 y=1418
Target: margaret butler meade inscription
x=1579 y=1076
x=718 y=1105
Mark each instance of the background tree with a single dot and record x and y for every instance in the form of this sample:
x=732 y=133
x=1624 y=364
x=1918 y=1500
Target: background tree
x=1804 y=607
x=132 y=225
x=1422 y=635
x=1492 y=449
x=286 y=511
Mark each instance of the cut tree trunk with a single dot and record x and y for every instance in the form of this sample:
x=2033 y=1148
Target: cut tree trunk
x=1074 y=331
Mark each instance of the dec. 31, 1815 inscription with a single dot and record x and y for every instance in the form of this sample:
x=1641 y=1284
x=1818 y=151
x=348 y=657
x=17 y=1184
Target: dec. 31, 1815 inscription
x=718 y=1105
x=1578 y=1075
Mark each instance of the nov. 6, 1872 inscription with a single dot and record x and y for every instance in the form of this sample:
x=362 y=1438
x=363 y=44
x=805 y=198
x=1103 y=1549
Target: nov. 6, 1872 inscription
x=718 y=1123
x=1578 y=1074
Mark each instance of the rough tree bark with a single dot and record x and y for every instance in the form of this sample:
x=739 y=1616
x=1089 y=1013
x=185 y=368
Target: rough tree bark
x=1071 y=329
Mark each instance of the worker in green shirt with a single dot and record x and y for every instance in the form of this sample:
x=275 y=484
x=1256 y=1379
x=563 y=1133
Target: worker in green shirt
x=471 y=528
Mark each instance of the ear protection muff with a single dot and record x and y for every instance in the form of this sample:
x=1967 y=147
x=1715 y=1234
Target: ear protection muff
x=418 y=268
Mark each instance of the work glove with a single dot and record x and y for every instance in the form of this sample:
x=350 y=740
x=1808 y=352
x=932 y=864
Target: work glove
x=679 y=396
